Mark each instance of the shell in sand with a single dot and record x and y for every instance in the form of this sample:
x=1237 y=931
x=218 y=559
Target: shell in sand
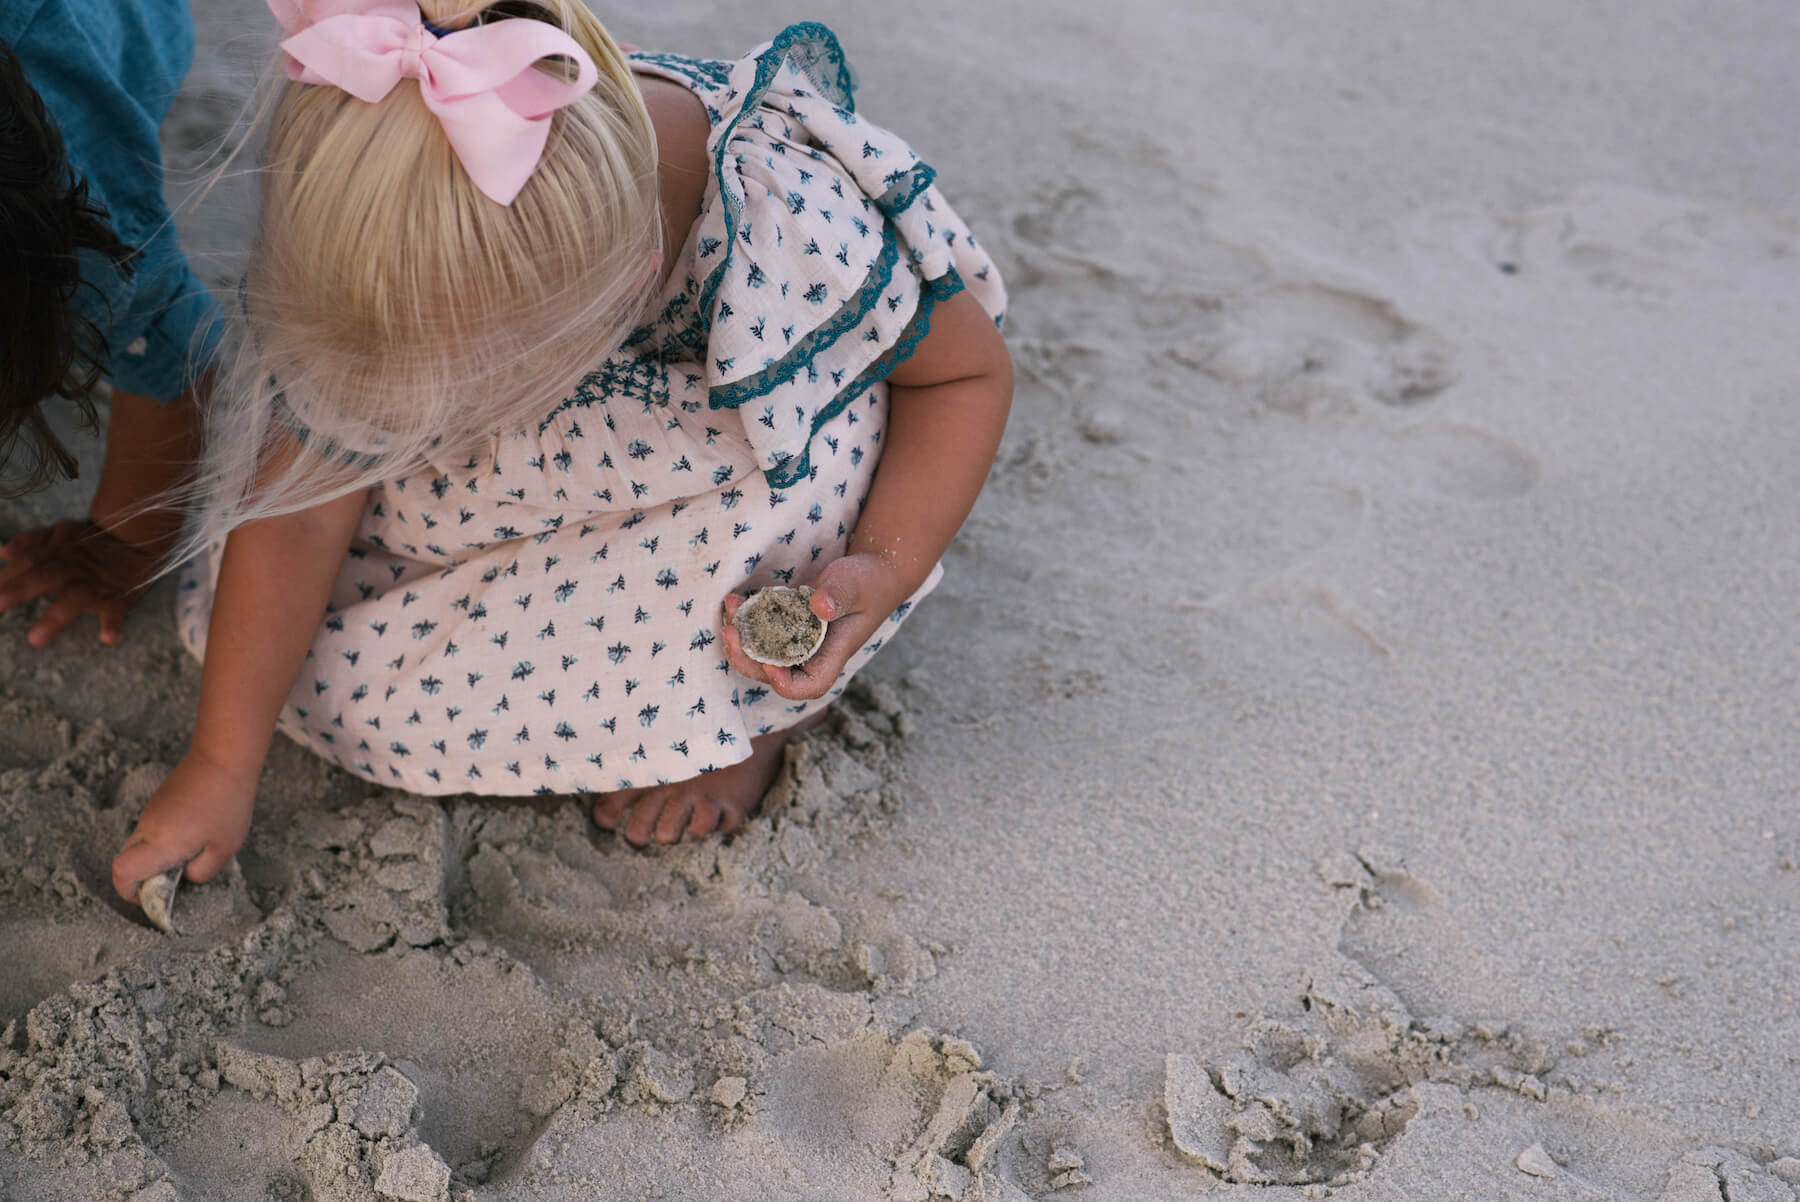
x=778 y=626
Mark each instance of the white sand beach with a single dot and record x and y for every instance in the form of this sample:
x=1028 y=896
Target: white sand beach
x=1353 y=751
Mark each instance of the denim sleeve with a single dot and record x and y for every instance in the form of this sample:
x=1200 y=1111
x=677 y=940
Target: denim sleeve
x=108 y=73
x=169 y=332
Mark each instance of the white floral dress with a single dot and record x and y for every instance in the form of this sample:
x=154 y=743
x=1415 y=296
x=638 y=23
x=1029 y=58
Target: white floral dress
x=545 y=617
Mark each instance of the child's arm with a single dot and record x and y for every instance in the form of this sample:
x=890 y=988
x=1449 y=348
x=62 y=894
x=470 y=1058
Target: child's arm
x=947 y=408
x=102 y=565
x=274 y=583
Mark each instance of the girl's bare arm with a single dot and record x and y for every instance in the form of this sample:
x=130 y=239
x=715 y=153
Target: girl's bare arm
x=946 y=411
x=274 y=583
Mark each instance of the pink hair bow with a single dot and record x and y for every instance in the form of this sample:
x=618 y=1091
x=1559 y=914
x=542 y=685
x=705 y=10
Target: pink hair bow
x=479 y=82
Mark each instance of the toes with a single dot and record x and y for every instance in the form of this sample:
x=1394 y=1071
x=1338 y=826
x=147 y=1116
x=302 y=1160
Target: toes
x=610 y=810
x=668 y=814
x=675 y=814
x=643 y=817
x=705 y=820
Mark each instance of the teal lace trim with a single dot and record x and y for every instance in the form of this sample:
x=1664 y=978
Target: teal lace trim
x=730 y=396
x=784 y=475
x=906 y=189
x=706 y=73
x=814 y=49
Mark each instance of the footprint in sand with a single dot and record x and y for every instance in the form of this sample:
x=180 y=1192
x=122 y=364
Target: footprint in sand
x=1065 y=229
x=1343 y=358
x=1401 y=933
x=1448 y=459
x=1059 y=219
x=1314 y=350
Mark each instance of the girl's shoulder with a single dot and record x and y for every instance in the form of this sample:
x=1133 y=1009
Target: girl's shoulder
x=682 y=168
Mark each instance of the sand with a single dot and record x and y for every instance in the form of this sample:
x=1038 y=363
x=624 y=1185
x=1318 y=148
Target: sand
x=1351 y=753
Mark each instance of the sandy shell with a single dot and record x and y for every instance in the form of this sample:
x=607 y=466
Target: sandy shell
x=157 y=898
x=762 y=598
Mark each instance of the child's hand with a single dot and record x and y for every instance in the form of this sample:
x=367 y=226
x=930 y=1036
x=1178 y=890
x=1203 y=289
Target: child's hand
x=84 y=568
x=199 y=817
x=855 y=594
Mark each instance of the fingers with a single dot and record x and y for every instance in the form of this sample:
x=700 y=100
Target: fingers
x=787 y=682
x=837 y=591
x=809 y=681
x=854 y=594
x=208 y=864
x=740 y=663
x=136 y=863
x=812 y=680
x=819 y=675
x=69 y=605
x=112 y=622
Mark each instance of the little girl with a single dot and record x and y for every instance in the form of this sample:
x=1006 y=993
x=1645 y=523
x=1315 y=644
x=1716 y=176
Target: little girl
x=549 y=356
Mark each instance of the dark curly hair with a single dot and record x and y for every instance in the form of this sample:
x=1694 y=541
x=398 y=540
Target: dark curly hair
x=47 y=347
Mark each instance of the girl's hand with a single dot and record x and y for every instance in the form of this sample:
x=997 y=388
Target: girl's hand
x=198 y=818
x=855 y=594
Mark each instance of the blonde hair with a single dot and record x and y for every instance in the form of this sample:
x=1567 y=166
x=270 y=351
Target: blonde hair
x=393 y=315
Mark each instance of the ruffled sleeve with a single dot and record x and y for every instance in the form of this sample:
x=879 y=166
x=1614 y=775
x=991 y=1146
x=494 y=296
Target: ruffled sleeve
x=821 y=249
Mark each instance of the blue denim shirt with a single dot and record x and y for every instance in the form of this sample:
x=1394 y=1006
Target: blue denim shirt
x=108 y=71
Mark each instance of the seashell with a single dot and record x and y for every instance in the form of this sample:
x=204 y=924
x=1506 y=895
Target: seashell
x=778 y=626
x=156 y=896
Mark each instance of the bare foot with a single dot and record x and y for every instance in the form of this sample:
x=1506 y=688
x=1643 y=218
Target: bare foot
x=711 y=803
